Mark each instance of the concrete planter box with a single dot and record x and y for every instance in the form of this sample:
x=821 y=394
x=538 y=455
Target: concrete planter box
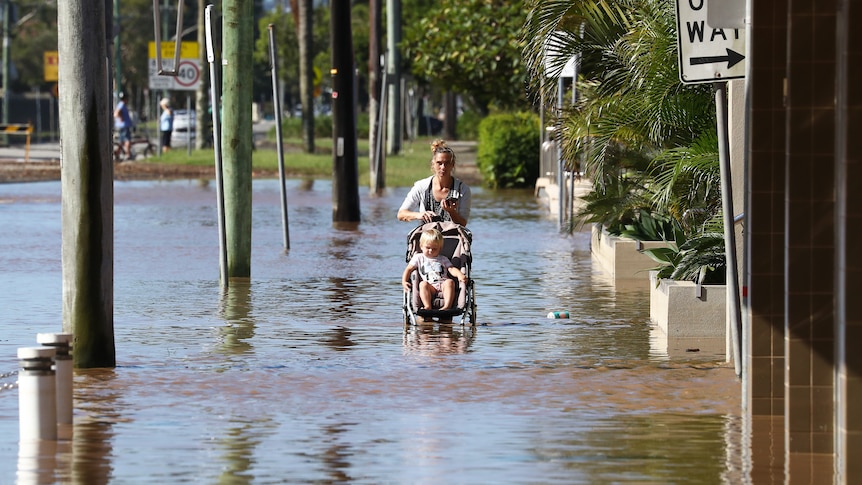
x=686 y=320
x=621 y=258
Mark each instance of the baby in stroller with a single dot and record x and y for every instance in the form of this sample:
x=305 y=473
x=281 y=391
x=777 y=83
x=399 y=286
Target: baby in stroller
x=432 y=267
x=437 y=283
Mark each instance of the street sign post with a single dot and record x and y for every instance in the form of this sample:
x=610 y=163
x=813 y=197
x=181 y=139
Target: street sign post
x=188 y=76
x=706 y=53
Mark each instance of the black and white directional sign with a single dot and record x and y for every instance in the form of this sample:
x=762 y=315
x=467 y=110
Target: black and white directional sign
x=707 y=53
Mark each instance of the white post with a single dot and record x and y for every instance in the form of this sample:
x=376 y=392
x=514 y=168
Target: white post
x=62 y=343
x=37 y=394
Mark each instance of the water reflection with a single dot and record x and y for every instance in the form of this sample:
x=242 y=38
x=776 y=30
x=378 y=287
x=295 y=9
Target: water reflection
x=235 y=309
x=438 y=339
x=238 y=446
x=339 y=338
x=98 y=403
x=37 y=462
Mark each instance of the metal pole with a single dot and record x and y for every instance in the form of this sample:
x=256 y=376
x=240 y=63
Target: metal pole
x=560 y=179
x=727 y=210
x=380 y=154
x=118 y=62
x=276 y=101
x=189 y=124
x=217 y=147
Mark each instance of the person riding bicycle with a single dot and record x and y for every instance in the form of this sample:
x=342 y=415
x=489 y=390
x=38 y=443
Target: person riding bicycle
x=123 y=125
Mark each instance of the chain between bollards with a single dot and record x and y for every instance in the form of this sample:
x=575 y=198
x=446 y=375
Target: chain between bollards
x=8 y=385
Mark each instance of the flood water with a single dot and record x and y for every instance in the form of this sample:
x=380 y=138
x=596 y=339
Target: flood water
x=305 y=374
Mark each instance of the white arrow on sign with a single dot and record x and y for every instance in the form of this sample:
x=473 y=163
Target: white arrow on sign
x=706 y=53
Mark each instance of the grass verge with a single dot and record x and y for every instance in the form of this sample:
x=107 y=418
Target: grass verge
x=401 y=170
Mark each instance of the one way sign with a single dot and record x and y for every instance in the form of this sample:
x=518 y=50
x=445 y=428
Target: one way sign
x=707 y=53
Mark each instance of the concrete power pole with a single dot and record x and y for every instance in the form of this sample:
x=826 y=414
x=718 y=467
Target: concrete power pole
x=345 y=165
x=305 y=32
x=376 y=163
x=87 y=180
x=237 y=50
x=393 y=76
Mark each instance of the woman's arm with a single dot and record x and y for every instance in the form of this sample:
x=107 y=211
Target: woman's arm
x=412 y=208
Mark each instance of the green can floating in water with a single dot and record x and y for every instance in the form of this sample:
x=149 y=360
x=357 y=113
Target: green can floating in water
x=558 y=315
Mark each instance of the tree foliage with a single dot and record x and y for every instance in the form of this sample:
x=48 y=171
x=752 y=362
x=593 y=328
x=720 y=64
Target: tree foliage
x=472 y=47
x=33 y=31
x=647 y=141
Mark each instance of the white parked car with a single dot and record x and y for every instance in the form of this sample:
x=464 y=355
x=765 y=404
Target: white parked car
x=184 y=127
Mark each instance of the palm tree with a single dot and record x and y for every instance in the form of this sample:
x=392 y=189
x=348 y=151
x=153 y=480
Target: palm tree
x=646 y=140
x=632 y=104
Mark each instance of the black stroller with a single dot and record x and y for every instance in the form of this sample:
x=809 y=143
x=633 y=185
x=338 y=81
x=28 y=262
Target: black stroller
x=456 y=246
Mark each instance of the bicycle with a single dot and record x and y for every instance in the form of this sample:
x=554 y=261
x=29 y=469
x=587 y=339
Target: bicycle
x=149 y=149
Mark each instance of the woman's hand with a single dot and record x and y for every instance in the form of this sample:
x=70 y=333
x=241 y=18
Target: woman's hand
x=427 y=216
x=450 y=205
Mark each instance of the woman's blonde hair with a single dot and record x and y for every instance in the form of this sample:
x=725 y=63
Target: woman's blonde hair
x=440 y=146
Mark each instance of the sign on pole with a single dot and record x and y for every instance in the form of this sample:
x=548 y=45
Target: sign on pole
x=707 y=53
x=553 y=57
x=51 y=62
x=188 y=73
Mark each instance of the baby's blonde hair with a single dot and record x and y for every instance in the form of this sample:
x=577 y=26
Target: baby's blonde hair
x=431 y=235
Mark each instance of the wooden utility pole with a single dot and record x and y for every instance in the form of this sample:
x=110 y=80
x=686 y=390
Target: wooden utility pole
x=237 y=74
x=87 y=180
x=345 y=165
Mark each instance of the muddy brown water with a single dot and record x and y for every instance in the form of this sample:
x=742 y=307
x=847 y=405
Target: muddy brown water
x=305 y=373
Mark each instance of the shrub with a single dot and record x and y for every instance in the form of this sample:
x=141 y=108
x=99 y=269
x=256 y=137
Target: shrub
x=508 y=154
x=468 y=125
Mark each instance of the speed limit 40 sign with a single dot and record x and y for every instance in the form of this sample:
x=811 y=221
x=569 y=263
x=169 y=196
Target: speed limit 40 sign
x=188 y=76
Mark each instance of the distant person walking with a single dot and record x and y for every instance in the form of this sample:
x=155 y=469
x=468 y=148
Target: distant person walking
x=166 y=124
x=123 y=125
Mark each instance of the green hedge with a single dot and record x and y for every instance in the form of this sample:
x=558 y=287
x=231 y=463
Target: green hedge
x=508 y=154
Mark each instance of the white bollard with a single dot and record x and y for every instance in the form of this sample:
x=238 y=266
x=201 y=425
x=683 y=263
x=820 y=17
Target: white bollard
x=62 y=343
x=37 y=394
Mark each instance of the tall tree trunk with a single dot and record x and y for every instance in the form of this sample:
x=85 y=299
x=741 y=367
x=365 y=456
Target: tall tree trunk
x=450 y=120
